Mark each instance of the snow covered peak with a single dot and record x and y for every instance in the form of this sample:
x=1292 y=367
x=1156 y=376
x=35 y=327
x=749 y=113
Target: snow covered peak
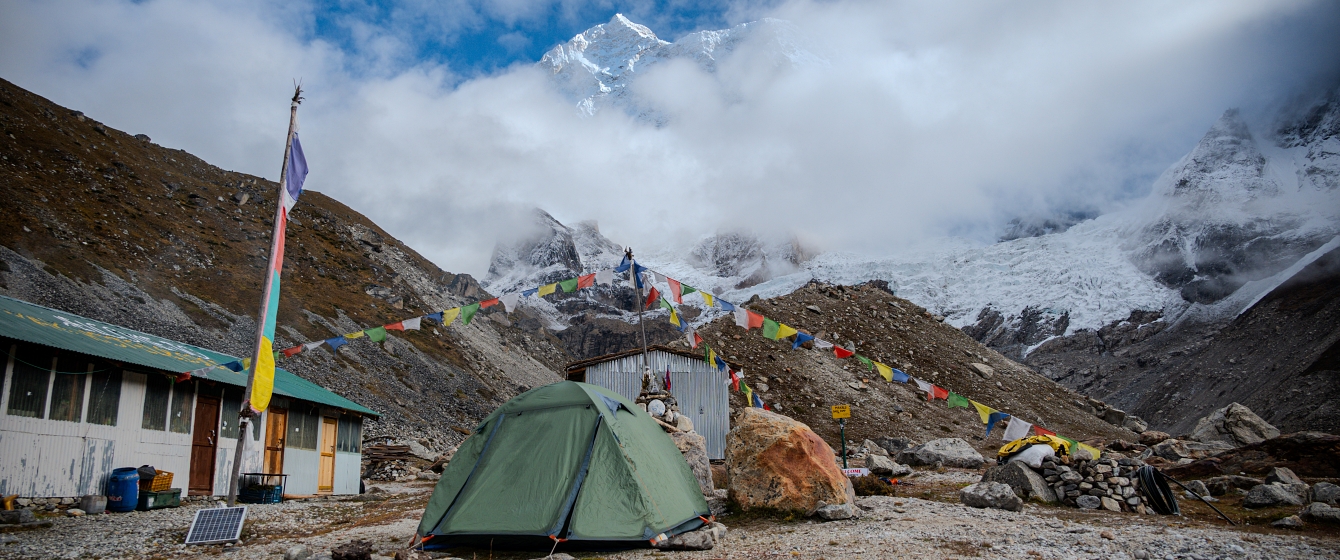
x=1226 y=164
x=596 y=66
x=548 y=252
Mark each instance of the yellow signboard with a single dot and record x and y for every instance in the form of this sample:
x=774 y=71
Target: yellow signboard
x=841 y=411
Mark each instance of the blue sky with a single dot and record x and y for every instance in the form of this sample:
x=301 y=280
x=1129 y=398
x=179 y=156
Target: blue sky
x=473 y=38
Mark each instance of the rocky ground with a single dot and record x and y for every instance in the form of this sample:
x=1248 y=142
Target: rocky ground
x=923 y=520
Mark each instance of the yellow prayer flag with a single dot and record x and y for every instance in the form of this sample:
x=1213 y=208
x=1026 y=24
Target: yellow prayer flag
x=548 y=289
x=707 y=298
x=449 y=316
x=983 y=410
x=1093 y=451
x=674 y=318
x=263 y=383
x=884 y=371
x=354 y=335
x=784 y=331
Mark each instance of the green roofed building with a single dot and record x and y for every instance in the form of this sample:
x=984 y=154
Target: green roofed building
x=81 y=397
x=570 y=463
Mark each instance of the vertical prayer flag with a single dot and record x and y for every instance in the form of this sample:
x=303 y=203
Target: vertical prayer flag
x=586 y=281
x=676 y=290
x=674 y=318
x=734 y=380
x=785 y=331
x=548 y=289
x=569 y=285
x=468 y=312
x=956 y=400
x=770 y=329
x=842 y=353
x=376 y=335
x=295 y=175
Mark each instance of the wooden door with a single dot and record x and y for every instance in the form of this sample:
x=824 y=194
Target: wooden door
x=276 y=428
x=204 y=442
x=325 y=481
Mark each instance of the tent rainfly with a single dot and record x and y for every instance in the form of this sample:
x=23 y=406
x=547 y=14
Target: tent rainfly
x=564 y=462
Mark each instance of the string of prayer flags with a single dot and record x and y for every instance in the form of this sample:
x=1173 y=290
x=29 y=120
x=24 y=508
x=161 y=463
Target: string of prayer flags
x=488 y=303
x=676 y=290
x=1017 y=429
x=785 y=331
x=336 y=343
x=652 y=297
x=770 y=329
x=605 y=277
x=569 y=285
x=956 y=400
x=586 y=281
x=842 y=353
x=376 y=335
x=801 y=338
x=996 y=416
x=548 y=289
x=510 y=301
x=468 y=312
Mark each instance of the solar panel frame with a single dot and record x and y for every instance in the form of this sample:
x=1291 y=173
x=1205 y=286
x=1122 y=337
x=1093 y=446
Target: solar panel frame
x=217 y=525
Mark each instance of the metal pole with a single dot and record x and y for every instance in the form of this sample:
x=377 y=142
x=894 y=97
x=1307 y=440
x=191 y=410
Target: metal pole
x=842 y=425
x=632 y=273
x=245 y=415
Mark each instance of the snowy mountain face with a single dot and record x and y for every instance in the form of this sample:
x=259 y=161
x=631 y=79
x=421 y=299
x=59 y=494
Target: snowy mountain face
x=596 y=67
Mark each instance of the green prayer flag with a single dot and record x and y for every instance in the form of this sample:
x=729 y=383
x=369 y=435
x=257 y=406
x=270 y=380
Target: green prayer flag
x=666 y=304
x=376 y=335
x=868 y=364
x=770 y=328
x=468 y=312
x=569 y=285
x=686 y=289
x=957 y=400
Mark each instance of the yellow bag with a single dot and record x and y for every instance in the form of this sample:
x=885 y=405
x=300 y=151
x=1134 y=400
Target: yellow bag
x=1060 y=446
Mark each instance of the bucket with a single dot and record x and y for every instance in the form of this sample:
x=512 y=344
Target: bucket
x=123 y=489
x=93 y=505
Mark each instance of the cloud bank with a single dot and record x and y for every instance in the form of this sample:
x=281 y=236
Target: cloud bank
x=929 y=120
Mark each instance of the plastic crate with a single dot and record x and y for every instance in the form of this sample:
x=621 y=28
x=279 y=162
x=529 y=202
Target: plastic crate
x=161 y=482
x=259 y=488
x=158 y=500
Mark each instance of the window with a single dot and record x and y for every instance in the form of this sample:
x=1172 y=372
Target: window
x=349 y=438
x=157 y=388
x=302 y=428
x=232 y=403
x=104 y=397
x=32 y=372
x=183 y=399
x=67 y=390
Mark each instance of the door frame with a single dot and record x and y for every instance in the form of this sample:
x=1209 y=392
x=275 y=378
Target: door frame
x=191 y=488
x=329 y=430
x=273 y=415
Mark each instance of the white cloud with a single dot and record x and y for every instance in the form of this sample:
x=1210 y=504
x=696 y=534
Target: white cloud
x=931 y=118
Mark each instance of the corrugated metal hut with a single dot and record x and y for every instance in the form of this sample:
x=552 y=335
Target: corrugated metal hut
x=701 y=391
x=81 y=397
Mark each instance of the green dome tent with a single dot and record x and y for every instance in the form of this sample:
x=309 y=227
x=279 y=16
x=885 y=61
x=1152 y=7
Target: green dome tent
x=568 y=461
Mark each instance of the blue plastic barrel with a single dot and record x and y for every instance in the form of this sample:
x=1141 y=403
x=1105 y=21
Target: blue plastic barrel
x=123 y=489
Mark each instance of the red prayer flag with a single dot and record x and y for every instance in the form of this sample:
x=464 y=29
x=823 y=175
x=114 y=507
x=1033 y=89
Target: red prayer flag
x=653 y=296
x=1043 y=431
x=734 y=381
x=183 y=376
x=841 y=352
x=586 y=281
x=697 y=339
x=291 y=352
x=755 y=320
x=938 y=392
x=395 y=326
x=488 y=303
x=676 y=291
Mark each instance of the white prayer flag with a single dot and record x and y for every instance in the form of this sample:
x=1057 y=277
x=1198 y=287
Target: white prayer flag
x=411 y=324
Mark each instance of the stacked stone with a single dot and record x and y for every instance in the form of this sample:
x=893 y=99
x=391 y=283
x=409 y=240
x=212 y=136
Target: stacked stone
x=1107 y=483
x=45 y=504
x=662 y=406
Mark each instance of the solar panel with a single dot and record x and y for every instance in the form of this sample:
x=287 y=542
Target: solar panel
x=216 y=525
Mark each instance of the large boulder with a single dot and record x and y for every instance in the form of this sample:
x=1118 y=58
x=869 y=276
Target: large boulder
x=1153 y=437
x=990 y=495
x=1135 y=424
x=1317 y=511
x=1234 y=424
x=775 y=462
x=1310 y=454
x=884 y=466
x=1282 y=475
x=1271 y=495
x=874 y=448
x=1025 y=482
x=950 y=452
x=1176 y=450
x=694 y=448
x=1326 y=492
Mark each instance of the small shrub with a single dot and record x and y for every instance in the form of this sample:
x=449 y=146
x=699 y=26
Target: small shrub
x=871 y=486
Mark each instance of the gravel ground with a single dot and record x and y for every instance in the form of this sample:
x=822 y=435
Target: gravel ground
x=892 y=527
